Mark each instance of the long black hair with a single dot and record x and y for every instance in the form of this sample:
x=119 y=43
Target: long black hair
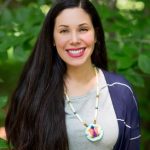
x=36 y=116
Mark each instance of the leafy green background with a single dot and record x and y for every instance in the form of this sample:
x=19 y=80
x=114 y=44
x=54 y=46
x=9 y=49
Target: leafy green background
x=127 y=31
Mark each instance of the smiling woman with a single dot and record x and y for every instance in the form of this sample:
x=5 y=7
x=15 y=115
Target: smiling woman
x=66 y=98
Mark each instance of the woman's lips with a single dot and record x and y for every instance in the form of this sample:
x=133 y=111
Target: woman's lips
x=75 y=52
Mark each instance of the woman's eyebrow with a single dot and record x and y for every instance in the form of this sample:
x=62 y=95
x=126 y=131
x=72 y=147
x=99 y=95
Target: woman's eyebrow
x=82 y=24
x=63 y=25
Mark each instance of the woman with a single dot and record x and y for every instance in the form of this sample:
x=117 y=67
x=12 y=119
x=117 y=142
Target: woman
x=65 y=98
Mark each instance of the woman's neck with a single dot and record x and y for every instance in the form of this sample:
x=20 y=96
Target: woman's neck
x=79 y=80
x=80 y=74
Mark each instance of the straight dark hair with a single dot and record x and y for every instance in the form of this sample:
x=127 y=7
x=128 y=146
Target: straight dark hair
x=36 y=115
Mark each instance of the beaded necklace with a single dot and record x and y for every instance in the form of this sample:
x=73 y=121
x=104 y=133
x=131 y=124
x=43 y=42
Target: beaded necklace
x=93 y=131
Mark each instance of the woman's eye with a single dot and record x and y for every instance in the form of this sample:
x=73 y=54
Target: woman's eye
x=83 y=29
x=64 y=31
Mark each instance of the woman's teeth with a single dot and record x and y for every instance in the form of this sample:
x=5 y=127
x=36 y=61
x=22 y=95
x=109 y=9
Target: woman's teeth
x=75 y=51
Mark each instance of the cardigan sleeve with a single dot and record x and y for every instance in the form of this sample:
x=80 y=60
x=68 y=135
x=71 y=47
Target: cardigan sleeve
x=126 y=109
x=132 y=118
x=131 y=130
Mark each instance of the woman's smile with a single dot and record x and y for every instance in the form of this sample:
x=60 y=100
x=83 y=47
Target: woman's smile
x=76 y=52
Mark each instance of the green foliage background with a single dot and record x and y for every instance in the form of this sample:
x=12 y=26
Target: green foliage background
x=128 y=42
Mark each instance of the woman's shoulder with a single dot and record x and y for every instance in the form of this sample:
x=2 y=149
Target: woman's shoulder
x=2 y=133
x=112 y=77
x=118 y=83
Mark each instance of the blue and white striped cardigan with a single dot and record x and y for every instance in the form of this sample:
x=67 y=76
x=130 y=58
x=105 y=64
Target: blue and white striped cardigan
x=126 y=110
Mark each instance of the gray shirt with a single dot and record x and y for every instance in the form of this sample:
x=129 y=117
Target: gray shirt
x=85 y=107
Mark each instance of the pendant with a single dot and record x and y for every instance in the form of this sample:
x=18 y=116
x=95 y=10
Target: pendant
x=94 y=132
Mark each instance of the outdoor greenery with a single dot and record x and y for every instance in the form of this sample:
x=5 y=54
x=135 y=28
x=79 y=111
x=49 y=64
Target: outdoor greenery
x=127 y=31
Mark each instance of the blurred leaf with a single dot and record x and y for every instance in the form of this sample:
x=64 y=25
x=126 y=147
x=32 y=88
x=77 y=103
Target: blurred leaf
x=130 y=50
x=3 y=56
x=125 y=62
x=1 y=80
x=144 y=63
x=2 y=117
x=3 y=101
x=6 y=16
x=2 y=34
x=134 y=78
x=20 y=54
x=3 y=144
x=145 y=115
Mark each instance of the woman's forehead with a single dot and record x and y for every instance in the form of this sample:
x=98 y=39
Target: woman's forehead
x=73 y=16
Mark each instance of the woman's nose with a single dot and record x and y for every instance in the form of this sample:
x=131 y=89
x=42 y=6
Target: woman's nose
x=75 y=39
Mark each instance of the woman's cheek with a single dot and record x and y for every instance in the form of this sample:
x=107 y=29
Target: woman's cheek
x=89 y=39
x=61 y=42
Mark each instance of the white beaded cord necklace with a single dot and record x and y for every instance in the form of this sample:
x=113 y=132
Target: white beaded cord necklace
x=93 y=131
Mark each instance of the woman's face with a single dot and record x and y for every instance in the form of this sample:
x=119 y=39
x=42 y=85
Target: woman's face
x=74 y=36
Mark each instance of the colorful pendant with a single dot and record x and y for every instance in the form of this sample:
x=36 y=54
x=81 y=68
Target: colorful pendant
x=94 y=132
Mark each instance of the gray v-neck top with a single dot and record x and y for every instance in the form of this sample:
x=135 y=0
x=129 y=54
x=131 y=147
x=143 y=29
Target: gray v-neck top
x=85 y=107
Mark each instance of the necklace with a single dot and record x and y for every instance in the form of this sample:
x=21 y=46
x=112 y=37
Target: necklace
x=93 y=131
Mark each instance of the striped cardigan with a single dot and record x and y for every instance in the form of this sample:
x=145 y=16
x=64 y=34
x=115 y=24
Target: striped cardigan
x=126 y=110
